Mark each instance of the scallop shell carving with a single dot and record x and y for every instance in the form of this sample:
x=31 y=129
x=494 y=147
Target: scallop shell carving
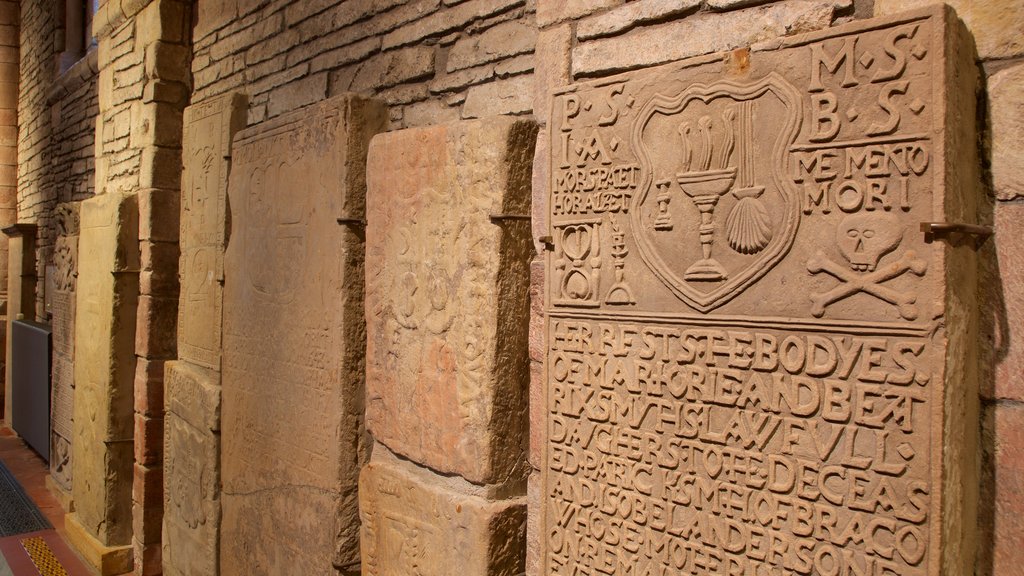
x=749 y=227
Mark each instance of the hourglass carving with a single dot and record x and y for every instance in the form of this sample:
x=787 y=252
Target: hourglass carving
x=578 y=263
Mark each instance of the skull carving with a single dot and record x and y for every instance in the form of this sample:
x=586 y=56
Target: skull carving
x=865 y=238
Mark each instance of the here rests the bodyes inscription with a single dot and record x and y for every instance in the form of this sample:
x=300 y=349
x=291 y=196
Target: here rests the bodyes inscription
x=745 y=338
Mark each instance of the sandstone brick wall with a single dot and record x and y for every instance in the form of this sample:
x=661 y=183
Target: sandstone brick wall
x=431 y=61
x=56 y=113
x=9 y=14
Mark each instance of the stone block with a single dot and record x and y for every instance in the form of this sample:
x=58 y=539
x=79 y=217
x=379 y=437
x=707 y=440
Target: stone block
x=106 y=302
x=1006 y=122
x=1003 y=517
x=155 y=328
x=105 y=560
x=553 y=53
x=297 y=94
x=509 y=96
x=446 y=295
x=502 y=41
x=160 y=167
x=445 y=21
x=1002 y=290
x=209 y=128
x=394 y=67
x=416 y=523
x=159 y=212
x=554 y=11
x=149 y=388
x=149 y=440
x=192 y=470
x=632 y=14
x=740 y=301
x=294 y=341
x=702 y=34
x=995 y=24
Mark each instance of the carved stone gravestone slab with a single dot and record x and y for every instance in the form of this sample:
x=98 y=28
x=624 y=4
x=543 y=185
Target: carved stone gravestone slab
x=757 y=362
x=446 y=300
x=294 y=341
x=208 y=129
x=415 y=522
x=191 y=523
x=106 y=302
x=65 y=258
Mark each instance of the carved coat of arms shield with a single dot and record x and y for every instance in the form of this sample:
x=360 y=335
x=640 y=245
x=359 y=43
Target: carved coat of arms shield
x=715 y=212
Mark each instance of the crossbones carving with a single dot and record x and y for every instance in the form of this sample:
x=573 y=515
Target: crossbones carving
x=868 y=283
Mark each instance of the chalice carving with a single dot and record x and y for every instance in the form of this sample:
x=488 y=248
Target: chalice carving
x=705 y=179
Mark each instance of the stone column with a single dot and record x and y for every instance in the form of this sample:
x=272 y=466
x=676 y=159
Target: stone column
x=21 y=290
x=294 y=342
x=9 y=48
x=143 y=87
x=448 y=248
x=191 y=526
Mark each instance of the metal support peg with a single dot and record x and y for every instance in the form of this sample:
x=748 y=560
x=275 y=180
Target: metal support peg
x=941 y=229
x=352 y=222
x=500 y=217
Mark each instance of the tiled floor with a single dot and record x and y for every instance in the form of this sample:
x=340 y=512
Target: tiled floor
x=39 y=553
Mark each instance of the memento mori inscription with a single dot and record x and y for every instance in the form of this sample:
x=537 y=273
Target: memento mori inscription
x=747 y=345
x=293 y=341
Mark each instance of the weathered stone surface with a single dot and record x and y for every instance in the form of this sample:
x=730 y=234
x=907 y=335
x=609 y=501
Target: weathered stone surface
x=1006 y=121
x=1003 y=521
x=702 y=34
x=293 y=341
x=446 y=297
x=1003 y=312
x=417 y=523
x=553 y=52
x=192 y=471
x=504 y=40
x=209 y=128
x=629 y=15
x=106 y=301
x=62 y=298
x=749 y=338
x=511 y=96
x=555 y=11
x=996 y=24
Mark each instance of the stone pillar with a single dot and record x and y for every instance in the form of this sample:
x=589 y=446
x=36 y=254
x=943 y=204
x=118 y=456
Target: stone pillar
x=292 y=431
x=9 y=48
x=756 y=359
x=21 y=290
x=106 y=299
x=191 y=526
x=144 y=52
x=448 y=248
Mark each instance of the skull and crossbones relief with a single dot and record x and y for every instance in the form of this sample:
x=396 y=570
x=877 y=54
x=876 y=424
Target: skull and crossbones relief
x=863 y=240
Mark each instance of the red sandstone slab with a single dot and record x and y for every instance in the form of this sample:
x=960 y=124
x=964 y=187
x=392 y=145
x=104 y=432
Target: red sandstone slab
x=447 y=261
x=756 y=360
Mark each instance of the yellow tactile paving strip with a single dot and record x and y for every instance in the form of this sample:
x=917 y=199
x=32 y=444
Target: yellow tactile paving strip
x=46 y=563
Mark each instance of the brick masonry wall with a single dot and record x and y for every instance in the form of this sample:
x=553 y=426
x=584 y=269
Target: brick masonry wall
x=432 y=61
x=56 y=123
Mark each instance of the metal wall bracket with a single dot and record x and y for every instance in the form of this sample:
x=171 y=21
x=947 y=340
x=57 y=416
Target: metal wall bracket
x=943 y=229
x=351 y=221
x=499 y=217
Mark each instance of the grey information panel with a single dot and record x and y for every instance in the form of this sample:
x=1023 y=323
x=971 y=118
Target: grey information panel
x=30 y=367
